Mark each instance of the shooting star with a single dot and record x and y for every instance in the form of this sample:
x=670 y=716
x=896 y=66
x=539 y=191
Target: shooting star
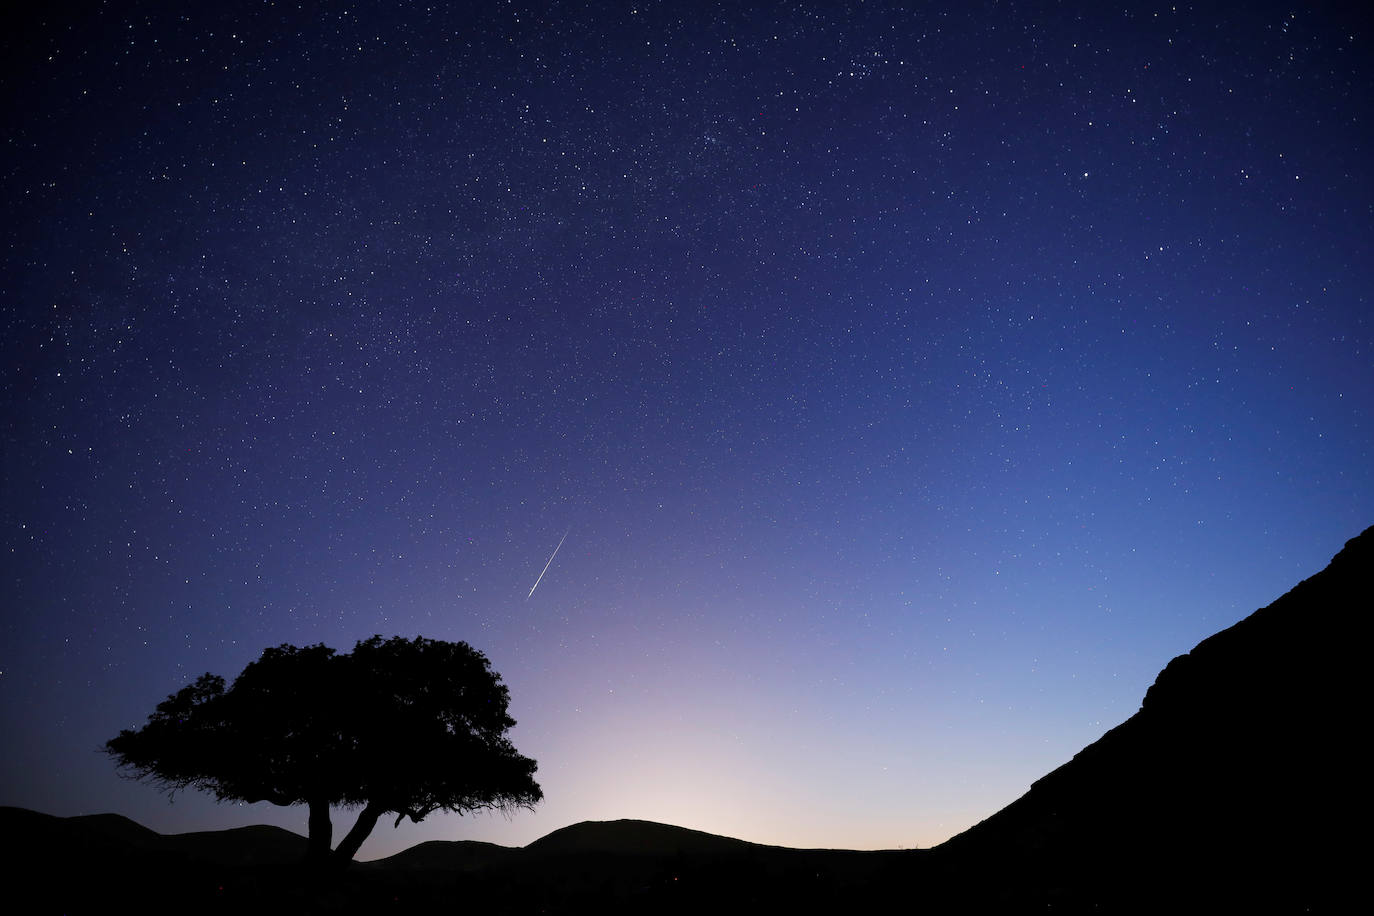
x=548 y=564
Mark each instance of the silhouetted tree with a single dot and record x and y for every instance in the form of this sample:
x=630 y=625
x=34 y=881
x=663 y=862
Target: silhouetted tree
x=397 y=726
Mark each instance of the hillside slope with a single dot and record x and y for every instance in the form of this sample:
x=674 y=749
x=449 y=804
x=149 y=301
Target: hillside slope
x=1234 y=781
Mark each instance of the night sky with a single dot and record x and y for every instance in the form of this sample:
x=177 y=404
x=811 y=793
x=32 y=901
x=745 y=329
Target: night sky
x=910 y=386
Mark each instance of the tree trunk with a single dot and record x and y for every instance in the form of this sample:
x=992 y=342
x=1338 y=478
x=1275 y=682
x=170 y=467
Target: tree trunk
x=321 y=832
x=367 y=819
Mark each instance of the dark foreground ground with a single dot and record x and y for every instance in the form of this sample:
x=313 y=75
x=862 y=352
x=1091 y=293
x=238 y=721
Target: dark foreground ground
x=96 y=864
x=106 y=863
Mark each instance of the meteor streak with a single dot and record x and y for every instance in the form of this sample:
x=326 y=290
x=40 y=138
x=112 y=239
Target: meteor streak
x=548 y=564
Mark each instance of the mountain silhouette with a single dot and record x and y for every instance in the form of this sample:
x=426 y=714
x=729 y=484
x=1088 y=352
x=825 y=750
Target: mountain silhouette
x=452 y=855
x=624 y=866
x=106 y=835
x=631 y=837
x=1234 y=788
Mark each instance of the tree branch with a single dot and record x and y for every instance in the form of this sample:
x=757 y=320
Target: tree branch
x=367 y=819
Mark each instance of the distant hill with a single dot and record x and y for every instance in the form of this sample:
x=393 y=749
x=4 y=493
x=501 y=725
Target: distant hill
x=457 y=855
x=74 y=838
x=631 y=837
x=1236 y=782
x=106 y=834
x=257 y=845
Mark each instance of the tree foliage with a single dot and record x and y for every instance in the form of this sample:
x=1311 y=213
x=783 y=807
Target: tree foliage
x=397 y=726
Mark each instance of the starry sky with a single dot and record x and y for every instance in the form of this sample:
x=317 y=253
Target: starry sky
x=910 y=384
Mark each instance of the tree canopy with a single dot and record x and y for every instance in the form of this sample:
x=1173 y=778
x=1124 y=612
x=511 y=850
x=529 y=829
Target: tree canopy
x=397 y=726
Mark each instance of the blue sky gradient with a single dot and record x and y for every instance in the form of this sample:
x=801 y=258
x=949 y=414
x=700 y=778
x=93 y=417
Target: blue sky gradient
x=911 y=385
